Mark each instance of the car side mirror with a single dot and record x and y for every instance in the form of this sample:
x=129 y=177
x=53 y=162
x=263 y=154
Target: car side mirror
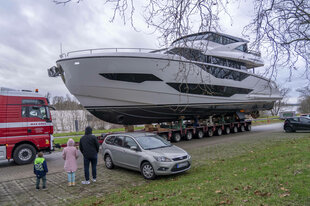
x=134 y=148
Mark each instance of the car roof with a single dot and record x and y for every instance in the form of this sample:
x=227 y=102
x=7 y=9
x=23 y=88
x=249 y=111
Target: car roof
x=135 y=134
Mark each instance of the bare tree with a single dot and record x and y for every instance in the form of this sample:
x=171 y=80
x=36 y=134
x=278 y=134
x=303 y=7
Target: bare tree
x=282 y=28
x=280 y=103
x=305 y=99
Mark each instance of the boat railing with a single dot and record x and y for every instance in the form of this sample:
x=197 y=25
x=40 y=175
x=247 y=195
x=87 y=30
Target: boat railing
x=100 y=50
x=255 y=53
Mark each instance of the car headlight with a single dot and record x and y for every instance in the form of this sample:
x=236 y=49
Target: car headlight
x=162 y=159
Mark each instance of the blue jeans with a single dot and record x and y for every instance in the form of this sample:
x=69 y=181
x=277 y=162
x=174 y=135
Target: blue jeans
x=38 y=182
x=71 y=177
x=93 y=162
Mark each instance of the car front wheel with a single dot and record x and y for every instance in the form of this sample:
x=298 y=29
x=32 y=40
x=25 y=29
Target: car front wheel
x=108 y=162
x=147 y=171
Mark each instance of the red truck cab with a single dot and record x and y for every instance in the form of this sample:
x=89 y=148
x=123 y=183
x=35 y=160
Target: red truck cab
x=25 y=125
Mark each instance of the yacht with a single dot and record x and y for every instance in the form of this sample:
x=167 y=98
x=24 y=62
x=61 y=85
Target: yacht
x=197 y=76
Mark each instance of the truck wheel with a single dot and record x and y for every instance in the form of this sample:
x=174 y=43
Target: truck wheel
x=210 y=133
x=200 y=134
x=227 y=130
x=147 y=171
x=189 y=135
x=248 y=127
x=108 y=162
x=176 y=137
x=24 y=154
x=235 y=129
x=242 y=128
x=219 y=131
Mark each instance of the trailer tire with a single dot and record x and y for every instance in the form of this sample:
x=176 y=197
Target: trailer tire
x=176 y=137
x=242 y=128
x=189 y=135
x=227 y=130
x=200 y=134
x=235 y=129
x=24 y=154
x=219 y=131
x=248 y=127
x=164 y=136
x=210 y=133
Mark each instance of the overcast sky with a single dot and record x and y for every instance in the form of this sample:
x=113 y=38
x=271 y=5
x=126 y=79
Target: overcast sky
x=31 y=32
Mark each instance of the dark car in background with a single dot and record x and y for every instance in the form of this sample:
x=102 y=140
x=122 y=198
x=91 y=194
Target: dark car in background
x=297 y=123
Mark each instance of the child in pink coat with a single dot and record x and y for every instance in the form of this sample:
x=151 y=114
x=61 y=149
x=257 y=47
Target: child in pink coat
x=70 y=155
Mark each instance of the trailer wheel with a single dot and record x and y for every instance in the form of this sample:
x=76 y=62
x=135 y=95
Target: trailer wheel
x=176 y=137
x=227 y=130
x=210 y=133
x=164 y=136
x=189 y=135
x=24 y=154
x=242 y=128
x=235 y=129
x=248 y=127
x=219 y=131
x=200 y=134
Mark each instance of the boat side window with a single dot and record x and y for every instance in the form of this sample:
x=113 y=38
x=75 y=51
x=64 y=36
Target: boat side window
x=220 y=39
x=206 y=89
x=242 y=48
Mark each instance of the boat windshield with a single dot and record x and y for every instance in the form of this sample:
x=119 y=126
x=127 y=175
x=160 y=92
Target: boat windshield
x=149 y=142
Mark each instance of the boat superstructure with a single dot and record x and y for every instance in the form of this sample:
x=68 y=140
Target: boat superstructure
x=198 y=76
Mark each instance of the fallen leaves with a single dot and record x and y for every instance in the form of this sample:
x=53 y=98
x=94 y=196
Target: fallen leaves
x=262 y=194
x=284 y=195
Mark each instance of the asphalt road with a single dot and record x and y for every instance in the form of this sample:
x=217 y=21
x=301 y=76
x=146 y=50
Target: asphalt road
x=11 y=171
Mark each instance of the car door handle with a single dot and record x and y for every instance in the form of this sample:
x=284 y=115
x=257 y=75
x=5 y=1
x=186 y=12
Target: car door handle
x=29 y=130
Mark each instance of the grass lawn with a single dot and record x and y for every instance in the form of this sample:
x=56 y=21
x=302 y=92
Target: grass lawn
x=267 y=174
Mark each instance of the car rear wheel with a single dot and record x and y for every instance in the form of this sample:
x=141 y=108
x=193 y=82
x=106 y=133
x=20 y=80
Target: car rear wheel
x=147 y=171
x=108 y=162
x=24 y=154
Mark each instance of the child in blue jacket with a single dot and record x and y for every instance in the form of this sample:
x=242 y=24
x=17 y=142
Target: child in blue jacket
x=40 y=170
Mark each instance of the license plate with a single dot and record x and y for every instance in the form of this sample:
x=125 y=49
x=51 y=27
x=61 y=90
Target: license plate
x=183 y=164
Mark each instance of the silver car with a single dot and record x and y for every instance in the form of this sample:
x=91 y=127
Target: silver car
x=145 y=152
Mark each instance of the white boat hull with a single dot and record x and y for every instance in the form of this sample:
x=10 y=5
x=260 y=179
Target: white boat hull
x=161 y=97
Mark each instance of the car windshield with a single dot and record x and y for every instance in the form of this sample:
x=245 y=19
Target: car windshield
x=149 y=142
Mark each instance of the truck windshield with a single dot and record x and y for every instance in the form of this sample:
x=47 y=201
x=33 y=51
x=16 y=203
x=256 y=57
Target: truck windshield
x=41 y=112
